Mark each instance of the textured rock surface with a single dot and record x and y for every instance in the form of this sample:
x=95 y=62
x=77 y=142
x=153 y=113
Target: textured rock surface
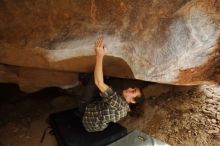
x=175 y=42
x=32 y=79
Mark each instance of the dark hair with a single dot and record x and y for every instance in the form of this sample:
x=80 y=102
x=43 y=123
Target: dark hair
x=137 y=109
x=139 y=99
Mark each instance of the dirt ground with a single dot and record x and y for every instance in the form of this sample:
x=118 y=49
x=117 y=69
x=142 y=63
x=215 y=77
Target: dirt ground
x=181 y=116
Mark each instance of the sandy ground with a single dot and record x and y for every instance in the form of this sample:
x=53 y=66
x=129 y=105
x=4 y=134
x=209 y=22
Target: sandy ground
x=182 y=116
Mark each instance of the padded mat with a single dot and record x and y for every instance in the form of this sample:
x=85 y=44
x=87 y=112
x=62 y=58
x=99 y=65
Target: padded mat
x=69 y=131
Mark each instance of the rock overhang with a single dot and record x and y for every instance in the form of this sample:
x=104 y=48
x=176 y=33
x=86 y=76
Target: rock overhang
x=173 y=42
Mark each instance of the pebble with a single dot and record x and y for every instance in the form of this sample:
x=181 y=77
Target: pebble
x=195 y=133
x=211 y=109
x=202 y=122
x=213 y=120
x=218 y=116
x=213 y=131
x=218 y=109
x=205 y=111
x=196 y=119
x=176 y=129
x=210 y=101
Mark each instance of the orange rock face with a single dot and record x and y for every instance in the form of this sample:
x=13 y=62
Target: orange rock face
x=174 y=42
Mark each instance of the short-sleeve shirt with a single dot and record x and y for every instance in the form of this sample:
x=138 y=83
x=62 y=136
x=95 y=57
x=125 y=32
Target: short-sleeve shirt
x=99 y=114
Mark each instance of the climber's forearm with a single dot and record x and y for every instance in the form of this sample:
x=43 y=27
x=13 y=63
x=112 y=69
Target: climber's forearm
x=98 y=74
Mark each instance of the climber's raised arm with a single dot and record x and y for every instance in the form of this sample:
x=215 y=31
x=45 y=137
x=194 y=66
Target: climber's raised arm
x=98 y=72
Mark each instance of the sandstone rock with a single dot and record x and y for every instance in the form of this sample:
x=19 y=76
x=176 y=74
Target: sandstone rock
x=32 y=79
x=174 y=42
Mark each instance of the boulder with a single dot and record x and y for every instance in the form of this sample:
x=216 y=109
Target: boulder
x=172 y=42
x=34 y=79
